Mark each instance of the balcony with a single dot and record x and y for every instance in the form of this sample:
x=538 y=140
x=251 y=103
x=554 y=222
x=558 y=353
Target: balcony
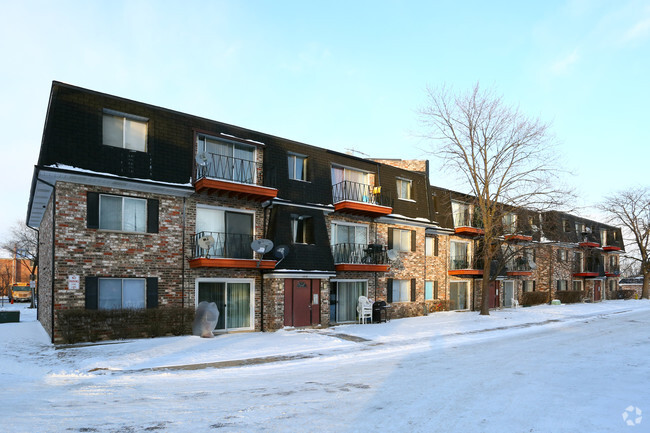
x=360 y=257
x=611 y=242
x=518 y=238
x=613 y=271
x=591 y=269
x=462 y=266
x=229 y=250
x=360 y=199
x=232 y=177
x=519 y=267
x=467 y=224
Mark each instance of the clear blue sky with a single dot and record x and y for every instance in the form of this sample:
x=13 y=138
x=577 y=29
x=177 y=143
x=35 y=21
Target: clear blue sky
x=338 y=74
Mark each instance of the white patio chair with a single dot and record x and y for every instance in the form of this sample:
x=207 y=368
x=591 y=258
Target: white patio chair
x=364 y=308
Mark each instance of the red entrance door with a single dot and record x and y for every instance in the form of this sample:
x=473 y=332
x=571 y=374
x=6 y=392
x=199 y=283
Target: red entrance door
x=301 y=302
x=597 y=290
x=493 y=294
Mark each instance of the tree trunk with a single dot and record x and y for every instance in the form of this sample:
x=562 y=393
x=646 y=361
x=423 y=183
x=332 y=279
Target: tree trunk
x=645 y=292
x=485 y=295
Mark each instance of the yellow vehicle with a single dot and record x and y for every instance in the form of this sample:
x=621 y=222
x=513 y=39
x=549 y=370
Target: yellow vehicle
x=20 y=292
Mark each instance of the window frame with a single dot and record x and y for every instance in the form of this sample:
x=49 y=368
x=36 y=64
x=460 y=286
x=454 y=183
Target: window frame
x=400 y=287
x=397 y=239
x=123 y=198
x=306 y=229
x=227 y=282
x=122 y=280
x=292 y=160
x=561 y=283
x=577 y=282
x=126 y=117
x=334 y=237
x=431 y=248
x=400 y=181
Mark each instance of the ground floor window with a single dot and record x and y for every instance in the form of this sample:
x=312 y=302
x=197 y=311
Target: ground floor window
x=401 y=290
x=529 y=286
x=509 y=294
x=344 y=299
x=118 y=293
x=458 y=295
x=612 y=285
x=577 y=285
x=234 y=299
x=561 y=285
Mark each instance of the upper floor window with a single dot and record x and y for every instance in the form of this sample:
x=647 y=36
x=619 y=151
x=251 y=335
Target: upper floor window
x=403 y=290
x=401 y=240
x=122 y=213
x=566 y=226
x=431 y=246
x=231 y=232
x=404 y=189
x=509 y=223
x=603 y=237
x=124 y=130
x=297 y=167
x=462 y=214
x=345 y=233
x=227 y=160
x=302 y=229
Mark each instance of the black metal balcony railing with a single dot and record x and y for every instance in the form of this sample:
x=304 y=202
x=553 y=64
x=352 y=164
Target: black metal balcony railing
x=589 y=267
x=613 y=269
x=519 y=264
x=353 y=191
x=366 y=254
x=465 y=262
x=229 y=168
x=466 y=219
x=226 y=246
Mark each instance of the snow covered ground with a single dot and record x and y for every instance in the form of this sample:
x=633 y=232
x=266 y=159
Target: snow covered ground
x=568 y=368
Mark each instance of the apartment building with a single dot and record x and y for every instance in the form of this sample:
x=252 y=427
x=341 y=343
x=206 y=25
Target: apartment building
x=143 y=207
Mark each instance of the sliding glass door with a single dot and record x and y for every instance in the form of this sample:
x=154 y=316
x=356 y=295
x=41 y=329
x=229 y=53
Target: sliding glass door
x=234 y=301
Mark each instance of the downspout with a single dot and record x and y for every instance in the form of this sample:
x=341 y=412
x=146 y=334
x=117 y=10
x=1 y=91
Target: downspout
x=53 y=246
x=183 y=261
x=31 y=273
x=264 y=228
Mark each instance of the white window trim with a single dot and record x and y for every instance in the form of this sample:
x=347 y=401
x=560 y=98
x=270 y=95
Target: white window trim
x=403 y=179
x=134 y=118
x=408 y=281
x=146 y=214
x=349 y=224
x=410 y=246
x=582 y=286
x=306 y=157
x=467 y=293
x=251 y=282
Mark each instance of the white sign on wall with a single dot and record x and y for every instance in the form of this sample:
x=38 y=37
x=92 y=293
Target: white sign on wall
x=73 y=282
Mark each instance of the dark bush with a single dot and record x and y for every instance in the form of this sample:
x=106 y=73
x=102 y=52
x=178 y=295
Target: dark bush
x=81 y=325
x=624 y=294
x=569 y=296
x=534 y=298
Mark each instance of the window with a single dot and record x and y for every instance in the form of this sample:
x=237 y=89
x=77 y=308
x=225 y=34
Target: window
x=345 y=295
x=431 y=246
x=234 y=299
x=462 y=214
x=458 y=295
x=302 y=229
x=428 y=291
x=566 y=226
x=561 y=255
x=603 y=237
x=529 y=285
x=354 y=185
x=612 y=285
x=561 y=284
x=402 y=290
x=577 y=262
x=458 y=254
x=404 y=189
x=122 y=213
x=121 y=293
x=231 y=231
x=227 y=160
x=349 y=242
x=577 y=285
x=400 y=240
x=510 y=223
x=297 y=167
x=125 y=131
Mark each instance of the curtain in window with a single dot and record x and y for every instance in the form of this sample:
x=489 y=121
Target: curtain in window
x=112 y=129
x=110 y=294
x=110 y=213
x=133 y=293
x=244 y=164
x=135 y=215
x=239 y=301
x=215 y=292
x=457 y=296
x=347 y=299
x=337 y=175
x=135 y=135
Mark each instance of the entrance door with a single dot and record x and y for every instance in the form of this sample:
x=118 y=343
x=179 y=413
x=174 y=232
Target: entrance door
x=301 y=302
x=508 y=293
x=597 y=290
x=493 y=293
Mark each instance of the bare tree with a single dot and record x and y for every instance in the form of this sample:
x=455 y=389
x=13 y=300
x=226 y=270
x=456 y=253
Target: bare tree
x=6 y=275
x=631 y=209
x=22 y=243
x=506 y=158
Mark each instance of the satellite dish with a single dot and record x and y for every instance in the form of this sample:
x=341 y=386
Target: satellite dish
x=201 y=159
x=262 y=246
x=205 y=242
x=392 y=254
x=281 y=252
